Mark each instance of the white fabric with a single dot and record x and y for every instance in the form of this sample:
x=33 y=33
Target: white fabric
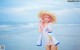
x=45 y=35
x=39 y=42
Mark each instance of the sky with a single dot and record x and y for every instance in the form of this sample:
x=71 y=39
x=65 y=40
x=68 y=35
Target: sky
x=28 y=10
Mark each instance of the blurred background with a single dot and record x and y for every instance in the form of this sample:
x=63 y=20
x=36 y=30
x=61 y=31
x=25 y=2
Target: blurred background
x=19 y=23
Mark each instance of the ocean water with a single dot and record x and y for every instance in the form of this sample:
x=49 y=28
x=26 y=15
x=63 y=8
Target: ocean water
x=24 y=36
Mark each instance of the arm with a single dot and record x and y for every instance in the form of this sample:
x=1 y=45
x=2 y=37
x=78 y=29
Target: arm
x=40 y=28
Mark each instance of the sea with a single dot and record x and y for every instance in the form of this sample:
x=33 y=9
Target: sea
x=23 y=36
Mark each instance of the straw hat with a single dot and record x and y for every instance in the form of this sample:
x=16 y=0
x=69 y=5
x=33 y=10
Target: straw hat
x=42 y=13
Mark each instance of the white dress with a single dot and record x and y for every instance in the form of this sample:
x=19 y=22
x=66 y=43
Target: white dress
x=46 y=34
x=47 y=31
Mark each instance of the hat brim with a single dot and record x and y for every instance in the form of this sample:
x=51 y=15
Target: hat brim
x=48 y=13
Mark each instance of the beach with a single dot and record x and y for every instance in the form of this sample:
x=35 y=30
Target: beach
x=24 y=36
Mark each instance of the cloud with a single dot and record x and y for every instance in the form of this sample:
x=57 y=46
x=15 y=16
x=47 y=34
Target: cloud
x=23 y=9
x=66 y=11
x=32 y=6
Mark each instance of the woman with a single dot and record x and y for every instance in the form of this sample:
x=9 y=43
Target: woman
x=45 y=28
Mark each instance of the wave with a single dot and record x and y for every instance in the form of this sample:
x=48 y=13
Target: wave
x=32 y=25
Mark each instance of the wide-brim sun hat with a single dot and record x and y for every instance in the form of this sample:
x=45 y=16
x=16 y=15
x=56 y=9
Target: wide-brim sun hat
x=42 y=13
